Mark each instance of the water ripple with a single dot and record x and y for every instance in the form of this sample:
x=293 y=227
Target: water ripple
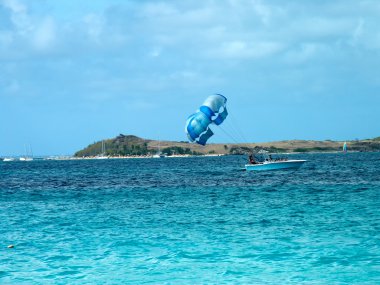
x=191 y=220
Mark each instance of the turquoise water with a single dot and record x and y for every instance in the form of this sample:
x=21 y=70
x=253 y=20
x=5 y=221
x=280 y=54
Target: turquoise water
x=190 y=221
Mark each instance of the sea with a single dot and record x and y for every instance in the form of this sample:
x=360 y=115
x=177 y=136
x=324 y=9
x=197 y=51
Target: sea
x=194 y=220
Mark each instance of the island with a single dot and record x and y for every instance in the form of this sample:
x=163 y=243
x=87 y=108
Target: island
x=130 y=145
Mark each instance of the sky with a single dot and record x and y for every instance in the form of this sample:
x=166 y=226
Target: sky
x=76 y=72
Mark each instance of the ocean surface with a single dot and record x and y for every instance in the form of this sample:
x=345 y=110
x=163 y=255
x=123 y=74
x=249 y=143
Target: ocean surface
x=198 y=220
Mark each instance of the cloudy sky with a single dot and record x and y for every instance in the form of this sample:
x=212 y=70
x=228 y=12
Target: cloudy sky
x=75 y=72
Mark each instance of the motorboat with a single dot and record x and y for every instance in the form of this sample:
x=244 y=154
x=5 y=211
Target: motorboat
x=275 y=165
x=6 y=159
x=266 y=162
x=159 y=155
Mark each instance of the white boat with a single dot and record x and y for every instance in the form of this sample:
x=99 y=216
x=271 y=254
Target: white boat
x=28 y=154
x=6 y=159
x=26 y=158
x=103 y=153
x=265 y=162
x=275 y=165
x=159 y=154
x=101 y=157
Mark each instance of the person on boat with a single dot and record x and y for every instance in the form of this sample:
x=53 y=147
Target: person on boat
x=251 y=159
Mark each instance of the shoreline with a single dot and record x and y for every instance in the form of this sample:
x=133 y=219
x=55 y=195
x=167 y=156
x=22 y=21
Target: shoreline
x=15 y=159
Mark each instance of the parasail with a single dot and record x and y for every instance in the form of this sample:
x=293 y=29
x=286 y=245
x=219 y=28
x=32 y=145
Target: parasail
x=212 y=111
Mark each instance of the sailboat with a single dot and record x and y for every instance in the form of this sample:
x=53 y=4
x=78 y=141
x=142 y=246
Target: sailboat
x=159 y=154
x=102 y=155
x=27 y=157
x=345 y=147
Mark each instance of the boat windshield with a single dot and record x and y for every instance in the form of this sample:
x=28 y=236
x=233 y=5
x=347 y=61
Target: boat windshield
x=264 y=156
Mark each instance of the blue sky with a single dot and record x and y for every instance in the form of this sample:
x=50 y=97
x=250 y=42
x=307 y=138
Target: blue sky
x=75 y=72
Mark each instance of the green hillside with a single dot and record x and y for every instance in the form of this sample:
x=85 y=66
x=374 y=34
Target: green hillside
x=127 y=145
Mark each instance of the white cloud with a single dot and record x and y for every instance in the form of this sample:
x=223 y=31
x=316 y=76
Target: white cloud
x=158 y=9
x=13 y=87
x=184 y=75
x=244 y=50
x=19 y=16
x=365 y=35
x=10 y=87
x=94 y=27
x=140 y=105
x=15 y=6
x=155 y=52
x=248 y=9
x=157 y=41
x=45 y=34
x=358 y=31
x=6 y=39
x=306 y=52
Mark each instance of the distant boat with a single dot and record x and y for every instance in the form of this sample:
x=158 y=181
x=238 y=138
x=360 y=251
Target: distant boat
x=267 y=163
x=26 y=158
x=102 y=155
x=159 y=154
x=28 y=155
x=275 y=165
x=345 y=147
x=6 y=159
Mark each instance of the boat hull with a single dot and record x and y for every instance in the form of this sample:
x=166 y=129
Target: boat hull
x=25 y=159
x=159 y=156
x=275 y=165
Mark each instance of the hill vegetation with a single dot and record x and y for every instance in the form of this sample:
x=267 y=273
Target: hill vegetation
x=129 y=145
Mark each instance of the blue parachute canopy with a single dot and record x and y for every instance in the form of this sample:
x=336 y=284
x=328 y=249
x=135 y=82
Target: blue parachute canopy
x=213 y=111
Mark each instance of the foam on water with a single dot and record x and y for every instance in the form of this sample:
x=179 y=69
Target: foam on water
x=191 y=220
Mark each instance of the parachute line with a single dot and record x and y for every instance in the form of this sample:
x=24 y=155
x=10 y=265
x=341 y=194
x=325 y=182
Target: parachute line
x=229 y=135
x=240 y=132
